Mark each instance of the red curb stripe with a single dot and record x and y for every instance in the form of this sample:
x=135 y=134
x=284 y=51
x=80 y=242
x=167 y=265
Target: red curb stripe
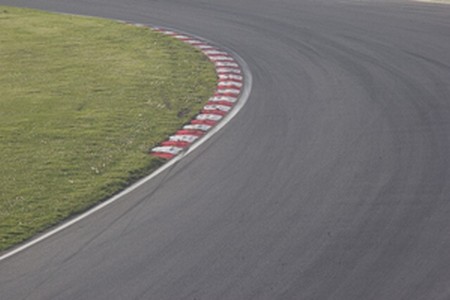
x=205 y=122
x=200 y=44
x=226 y=88
x=226 y=103
x=229 y=79
x=189 y=132
x=226 y=94
x=214 y=112
x=167 y=156
x=175 y=144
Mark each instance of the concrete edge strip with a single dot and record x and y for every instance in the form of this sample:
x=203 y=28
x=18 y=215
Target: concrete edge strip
x=242 y=74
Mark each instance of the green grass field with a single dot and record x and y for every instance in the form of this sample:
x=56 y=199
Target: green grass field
x=82 y=101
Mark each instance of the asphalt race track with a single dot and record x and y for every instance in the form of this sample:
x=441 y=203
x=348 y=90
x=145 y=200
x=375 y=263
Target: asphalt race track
x=331 y=183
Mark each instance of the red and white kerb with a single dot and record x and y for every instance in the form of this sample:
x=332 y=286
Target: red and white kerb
x=229 y=85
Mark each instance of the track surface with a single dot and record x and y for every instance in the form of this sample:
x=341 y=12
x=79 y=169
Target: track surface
x=332 y=183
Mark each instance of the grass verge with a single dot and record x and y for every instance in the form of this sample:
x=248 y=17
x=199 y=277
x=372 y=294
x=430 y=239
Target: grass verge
x=82 y=101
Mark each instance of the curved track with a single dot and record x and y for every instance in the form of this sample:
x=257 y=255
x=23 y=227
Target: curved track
x=332 y=183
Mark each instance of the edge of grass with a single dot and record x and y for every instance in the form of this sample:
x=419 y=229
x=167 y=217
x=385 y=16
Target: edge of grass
x=191 y=95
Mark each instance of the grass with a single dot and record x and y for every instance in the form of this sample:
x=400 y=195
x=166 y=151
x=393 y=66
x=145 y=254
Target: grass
x=82 y=101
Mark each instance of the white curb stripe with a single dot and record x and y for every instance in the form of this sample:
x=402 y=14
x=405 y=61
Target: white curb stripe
x=226 y=64
x=230 y=83
x=229 y=91
x=170 y=150
x=209 y=117
x=212 y=52
x=230 y=77
x=194 y=42
x=228 y=70
x=205 y=46
x=183 y=138
x=168 y=32
x=202 y=127
x=221 y=58
x=182 y=37
x=217 y=107
x=223 y=98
